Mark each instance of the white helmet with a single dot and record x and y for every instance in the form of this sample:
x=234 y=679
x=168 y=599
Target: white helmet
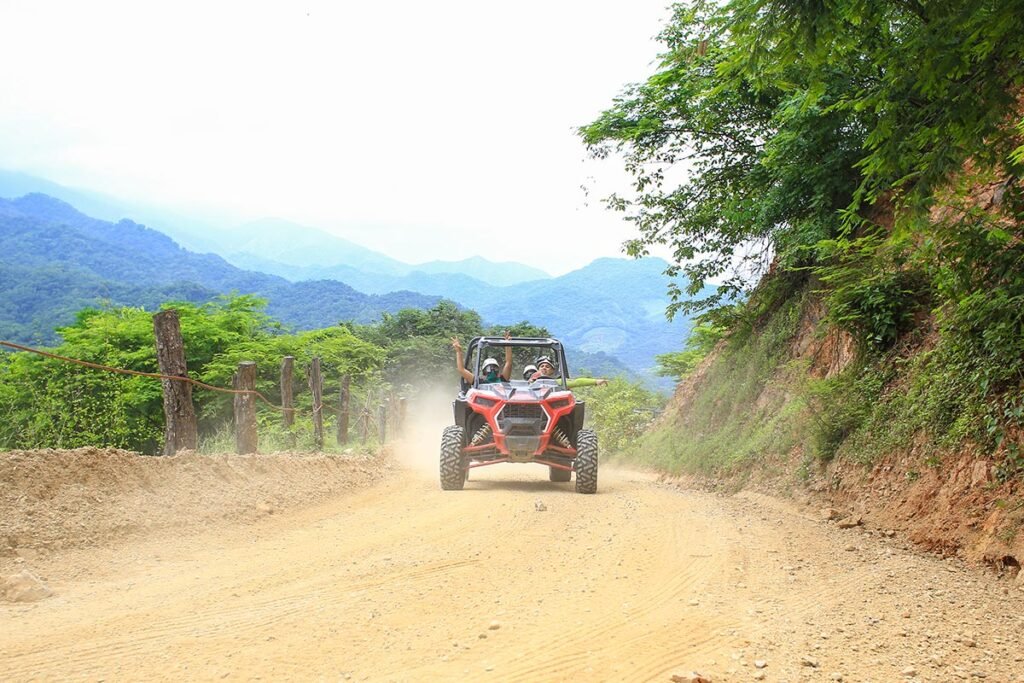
x=528 y=371
x=489 y=362
x=544 y=359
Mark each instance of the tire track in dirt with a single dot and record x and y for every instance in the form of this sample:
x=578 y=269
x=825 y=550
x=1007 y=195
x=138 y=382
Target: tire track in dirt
x=259 y=617
x=669 y=573
x=494 y=525
x=650 y=613
x=401 y=581
x=307 y=585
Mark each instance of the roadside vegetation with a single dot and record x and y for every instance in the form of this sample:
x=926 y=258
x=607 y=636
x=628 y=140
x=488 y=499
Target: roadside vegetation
x=48 y=403
x=864 y=156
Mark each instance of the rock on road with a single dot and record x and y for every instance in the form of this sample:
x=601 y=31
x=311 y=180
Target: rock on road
x=404 y=582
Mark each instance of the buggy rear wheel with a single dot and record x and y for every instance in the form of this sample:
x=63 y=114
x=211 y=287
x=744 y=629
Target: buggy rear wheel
x=586 y=461
x=555 y=474
x=453 y=465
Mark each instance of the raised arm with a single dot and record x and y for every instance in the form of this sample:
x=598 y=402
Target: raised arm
x=466 y=374
x=506 y=372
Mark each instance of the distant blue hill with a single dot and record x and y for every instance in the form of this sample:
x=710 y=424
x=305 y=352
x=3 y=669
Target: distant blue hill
x=270 y=245
x=189 y=232
x=612 y=306
x=54 y=260
x=299 y=252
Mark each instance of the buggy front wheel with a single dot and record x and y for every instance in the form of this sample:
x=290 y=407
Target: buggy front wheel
x=453 y=465
x=586 y=461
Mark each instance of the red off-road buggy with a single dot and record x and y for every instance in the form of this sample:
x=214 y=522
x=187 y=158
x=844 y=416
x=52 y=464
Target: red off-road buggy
x=518 y=421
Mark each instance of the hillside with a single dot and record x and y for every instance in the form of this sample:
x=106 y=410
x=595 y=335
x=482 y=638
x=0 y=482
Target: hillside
x=299 y=252
x=612 y=309
x=501 y=273
x=188 y=231
x=454 y=286
x=48 y=247
x=791 y=406
x=611 y=306
x=271 y=245
x=860 y=202
x=293 y=245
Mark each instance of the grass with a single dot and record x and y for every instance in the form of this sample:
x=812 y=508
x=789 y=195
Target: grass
x=755 y=402
x=742 y=411
x=274 y=438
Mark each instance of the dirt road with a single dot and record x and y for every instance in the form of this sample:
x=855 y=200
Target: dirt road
x=516 y=579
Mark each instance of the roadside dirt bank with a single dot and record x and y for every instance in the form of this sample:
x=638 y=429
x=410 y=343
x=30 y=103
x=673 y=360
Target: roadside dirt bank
x=387 y=578
x=56 y=499
x=955 y=506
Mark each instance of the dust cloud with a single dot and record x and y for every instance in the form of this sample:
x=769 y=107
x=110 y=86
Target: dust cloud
x=427 y=414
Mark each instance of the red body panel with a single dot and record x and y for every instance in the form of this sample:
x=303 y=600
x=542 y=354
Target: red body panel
x=555 y=404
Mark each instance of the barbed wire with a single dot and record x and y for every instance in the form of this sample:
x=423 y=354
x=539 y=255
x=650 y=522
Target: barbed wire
x=139 y=373
x=361 y=413
x=176 y=378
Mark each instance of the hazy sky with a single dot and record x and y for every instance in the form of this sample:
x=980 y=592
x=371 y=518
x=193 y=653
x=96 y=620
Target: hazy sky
x=421 y=129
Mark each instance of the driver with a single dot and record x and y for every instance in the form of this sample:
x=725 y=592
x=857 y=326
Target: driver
x=489 y=369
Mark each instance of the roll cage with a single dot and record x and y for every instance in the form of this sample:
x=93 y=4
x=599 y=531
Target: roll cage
x=474 y=358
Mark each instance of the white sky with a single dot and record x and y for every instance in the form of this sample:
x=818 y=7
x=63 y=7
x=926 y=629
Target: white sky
x=421 y=129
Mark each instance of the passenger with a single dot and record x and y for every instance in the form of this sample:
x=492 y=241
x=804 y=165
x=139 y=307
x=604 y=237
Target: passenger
x=489 y=370
x=529 y=371
x=546 y=370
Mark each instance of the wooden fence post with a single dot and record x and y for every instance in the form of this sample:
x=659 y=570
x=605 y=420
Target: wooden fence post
x=401 y=415
x=287 y=391
x=364 y=425
x=180 y=432
x=382 y=426
x=288 y=398
x=316 y=385
x=343 y=395
x=246 y=437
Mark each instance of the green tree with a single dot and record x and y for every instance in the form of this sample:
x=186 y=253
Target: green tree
x=792 y=119
x=620 y=412
x=870 y=148
x=767 y=167
x=679 y=364
x=57 y=404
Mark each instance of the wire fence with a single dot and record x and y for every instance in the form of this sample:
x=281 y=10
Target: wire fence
x=138 y=373
x=367 y=421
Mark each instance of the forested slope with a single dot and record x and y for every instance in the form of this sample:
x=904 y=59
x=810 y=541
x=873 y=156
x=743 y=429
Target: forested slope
x=612 y=309
x=57 y=261
x=854 y=190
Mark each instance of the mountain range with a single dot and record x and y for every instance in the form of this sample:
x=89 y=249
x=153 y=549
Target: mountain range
x=270 y=245
x=55 y=260
x=299 y=252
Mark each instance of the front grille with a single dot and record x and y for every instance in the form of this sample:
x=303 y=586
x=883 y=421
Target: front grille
x=532 y=411
x=522 y=420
